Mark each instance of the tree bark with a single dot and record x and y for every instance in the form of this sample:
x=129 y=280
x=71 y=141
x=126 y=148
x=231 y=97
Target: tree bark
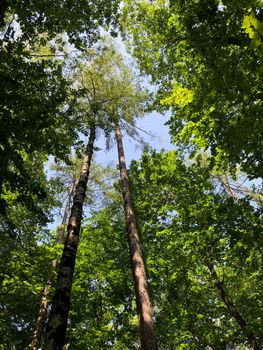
x=42 y=313
x=232 y=308
x=144 y=309
x=57 y=322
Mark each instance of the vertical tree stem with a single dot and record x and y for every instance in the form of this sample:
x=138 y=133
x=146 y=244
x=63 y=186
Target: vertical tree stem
x=147 y=328
x=57 y=322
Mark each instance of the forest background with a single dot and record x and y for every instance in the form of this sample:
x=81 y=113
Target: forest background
x=175 y=262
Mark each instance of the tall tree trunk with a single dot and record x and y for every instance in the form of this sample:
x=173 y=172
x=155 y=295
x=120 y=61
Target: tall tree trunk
x=42 y=313
x=144 y=309
x=57 y=322
x=232 y=307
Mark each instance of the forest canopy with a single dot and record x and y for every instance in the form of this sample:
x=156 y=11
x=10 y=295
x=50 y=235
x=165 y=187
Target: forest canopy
x=163 y=252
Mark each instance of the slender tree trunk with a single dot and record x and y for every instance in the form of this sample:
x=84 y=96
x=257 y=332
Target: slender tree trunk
x=61 y=229
x=42 y=313
x=41 y=317
x=232 y=308
x=228 y=188
x=226 y=298
x=57 y=322
x=147 y=328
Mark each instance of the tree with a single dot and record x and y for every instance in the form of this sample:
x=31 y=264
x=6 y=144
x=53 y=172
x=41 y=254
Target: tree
x=66 y=175
x=23 y=273
x=103 y=312
x=119 y=95
x=34 y=99
x=205 y=57
x=144 y=309
x=43 y=307
x=106 y=87
x=33 y=125
x=80 y=21
x=186 y=223
x=57 y=321
x=24 y=252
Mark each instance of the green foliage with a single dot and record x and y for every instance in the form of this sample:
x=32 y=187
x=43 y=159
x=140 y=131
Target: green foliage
x=24 y=271
x=108 y=91
x=103 y=92
x=35 y=115
x=81 y=21
x=206 y=59
x=254 y=28
x=33 y=126
x=103 y=312
x=186 y=223
x=27 y=199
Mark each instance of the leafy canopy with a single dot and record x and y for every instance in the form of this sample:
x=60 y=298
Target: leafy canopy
x=206 y=58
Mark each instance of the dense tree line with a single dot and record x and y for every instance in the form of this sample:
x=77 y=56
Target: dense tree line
x=176 y=261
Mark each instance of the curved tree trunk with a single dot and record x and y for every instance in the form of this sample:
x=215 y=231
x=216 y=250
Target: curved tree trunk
x=232 y=308
x=57 y=322
x=42 y=313
x=144 y=309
